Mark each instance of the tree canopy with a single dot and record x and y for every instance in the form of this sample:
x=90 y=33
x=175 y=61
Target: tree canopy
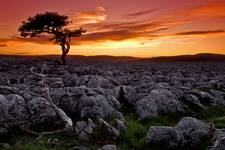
x=54 y=24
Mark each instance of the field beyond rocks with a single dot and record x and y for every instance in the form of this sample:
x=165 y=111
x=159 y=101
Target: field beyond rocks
x=123 y=104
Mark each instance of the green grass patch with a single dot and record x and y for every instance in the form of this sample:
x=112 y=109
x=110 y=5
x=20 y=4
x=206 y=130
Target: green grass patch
x=218 y=122
x=206 y=114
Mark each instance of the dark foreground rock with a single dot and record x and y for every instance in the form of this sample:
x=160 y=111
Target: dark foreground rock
x=188 y=133
x=218 y=140
x=157 y=103
x=108 y=147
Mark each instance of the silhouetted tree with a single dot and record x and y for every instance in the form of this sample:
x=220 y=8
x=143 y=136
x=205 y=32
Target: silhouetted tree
x=54 y=24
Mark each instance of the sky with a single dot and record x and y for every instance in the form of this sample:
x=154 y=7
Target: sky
x=139 y=28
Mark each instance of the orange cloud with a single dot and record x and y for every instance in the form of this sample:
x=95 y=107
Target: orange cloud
x=116 y=35
x=181 y=17
x=3 y=45
x=208 y=11
x=42 y=39
x=133 y=26
x=90 y=17
x=214 y=32
x=99 y=37
x=140 y=13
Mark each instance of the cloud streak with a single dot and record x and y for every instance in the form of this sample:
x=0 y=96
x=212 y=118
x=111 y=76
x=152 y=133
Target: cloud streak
x=208 y=11
x=3 y=45
x=101 y=37
x=213 y=32
x=89 y=17
x=140 y=13
x=119 y=35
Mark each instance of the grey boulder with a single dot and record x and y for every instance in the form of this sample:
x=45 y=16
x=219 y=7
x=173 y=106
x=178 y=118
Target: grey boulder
x=192 y=101
x=157 y=103
x=108 y=147
x=41 y=112
x=94 y=81
x=189 y=133
x=13 y=110
x=194 y=131
x=164 y=136
x=86 y=106
x=84 y=130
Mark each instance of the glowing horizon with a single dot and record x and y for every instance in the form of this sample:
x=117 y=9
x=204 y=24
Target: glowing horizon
x=135 y=28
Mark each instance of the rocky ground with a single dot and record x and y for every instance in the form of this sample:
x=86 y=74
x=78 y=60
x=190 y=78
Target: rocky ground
x=125 y=105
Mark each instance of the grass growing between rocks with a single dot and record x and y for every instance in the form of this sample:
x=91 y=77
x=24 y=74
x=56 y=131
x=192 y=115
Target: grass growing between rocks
x=134 y=136
x=21 y=141
x=212 y=114
x=131 y=139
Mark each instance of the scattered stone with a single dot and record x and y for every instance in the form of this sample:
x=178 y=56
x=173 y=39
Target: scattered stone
x=80 y=148
x=120 y=125
x=108 y=147
x=17 y=108
x=192 y=101
x=108 y=128
x=157 y=103
x=94 y=106
x=188 y=132
x=204 y=97
x=167 y=137
x=3 y=131
x=219 y=144
x=95 y=81
x=84 y=129
x=194 y=131
x=41 y=112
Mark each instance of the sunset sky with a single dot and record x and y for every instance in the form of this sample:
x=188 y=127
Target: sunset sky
x=140 y=28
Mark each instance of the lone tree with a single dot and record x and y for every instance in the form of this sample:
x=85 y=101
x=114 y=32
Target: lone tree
x=54 y=24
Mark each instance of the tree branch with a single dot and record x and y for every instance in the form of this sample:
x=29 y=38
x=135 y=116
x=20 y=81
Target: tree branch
x=66 y=120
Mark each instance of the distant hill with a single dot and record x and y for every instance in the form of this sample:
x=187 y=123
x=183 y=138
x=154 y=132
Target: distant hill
x=97 y=58
x=106 y=58
x=71 y=58
x=102 y=58
x=197 y=57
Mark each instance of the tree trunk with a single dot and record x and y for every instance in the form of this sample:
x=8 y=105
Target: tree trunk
x=63 y=58
x=65 y=45
x=64 y=53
